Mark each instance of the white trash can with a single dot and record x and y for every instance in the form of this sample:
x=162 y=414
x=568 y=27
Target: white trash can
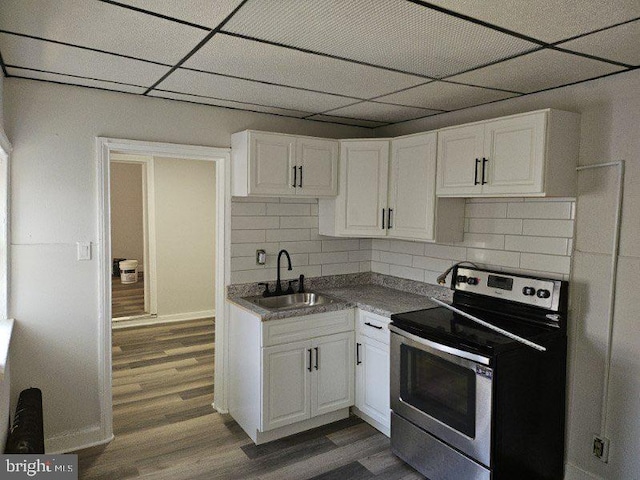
x=129 y=271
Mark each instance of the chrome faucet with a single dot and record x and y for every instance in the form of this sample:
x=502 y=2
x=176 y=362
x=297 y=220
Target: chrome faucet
x=278 y=284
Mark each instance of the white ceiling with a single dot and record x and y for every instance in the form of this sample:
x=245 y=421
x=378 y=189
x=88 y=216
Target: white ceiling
x=356 y=62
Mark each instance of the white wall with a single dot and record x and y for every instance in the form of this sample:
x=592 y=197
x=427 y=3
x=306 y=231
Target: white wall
x=290 y=223
x=610 y=120
x=127 y=228
x=54 y=205
x=185 y=235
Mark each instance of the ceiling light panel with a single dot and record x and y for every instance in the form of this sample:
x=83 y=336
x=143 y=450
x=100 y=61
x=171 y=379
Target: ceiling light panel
x=381 y=112
x=270 y=63
x=52 y=57
x=547 y=20
x=621 y=44
x=83 y=82
x=393 y=33
x=537 y=71
x=217 y=86
x=206 y=13
x=101 y=26
x=224 y=103
x=445 y=96
x=347 y=121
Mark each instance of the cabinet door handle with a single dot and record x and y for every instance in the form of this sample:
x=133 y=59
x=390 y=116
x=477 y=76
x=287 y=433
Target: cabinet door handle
x=310 y=360
x=484 y=163
x=358 y=362
x=300 y=184
x=389 y=213
x=295 y=176
x=475 y=174
x=373 y=326
x=317 y=355
x=383 y=218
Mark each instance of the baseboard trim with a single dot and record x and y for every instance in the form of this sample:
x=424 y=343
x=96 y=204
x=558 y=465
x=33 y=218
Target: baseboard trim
x=572 y=472
x=160 y=319
x=70 y=442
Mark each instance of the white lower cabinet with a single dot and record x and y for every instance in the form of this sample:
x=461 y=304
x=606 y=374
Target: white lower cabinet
x=372 y=370
x=290 y=375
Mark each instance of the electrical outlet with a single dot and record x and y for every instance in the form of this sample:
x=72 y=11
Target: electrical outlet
x=601 y=448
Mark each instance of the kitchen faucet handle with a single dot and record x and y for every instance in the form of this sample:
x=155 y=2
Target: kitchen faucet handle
x=291 y=284
x=266 y=292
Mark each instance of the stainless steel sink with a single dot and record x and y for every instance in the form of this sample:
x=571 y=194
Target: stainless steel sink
x=290 y=301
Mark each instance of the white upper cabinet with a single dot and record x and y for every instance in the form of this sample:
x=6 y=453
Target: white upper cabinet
x=393 y=195
x=271 y=164
x=533 y=154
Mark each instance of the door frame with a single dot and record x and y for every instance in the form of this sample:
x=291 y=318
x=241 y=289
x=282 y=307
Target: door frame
x=150 y=278
x=222 y=158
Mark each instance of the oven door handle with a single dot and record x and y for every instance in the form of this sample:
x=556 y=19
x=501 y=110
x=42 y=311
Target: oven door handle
x=439 y=347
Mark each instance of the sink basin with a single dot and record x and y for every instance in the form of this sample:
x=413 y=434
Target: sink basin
x=290 y=301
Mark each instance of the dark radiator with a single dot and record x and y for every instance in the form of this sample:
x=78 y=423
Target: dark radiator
x=27 y=432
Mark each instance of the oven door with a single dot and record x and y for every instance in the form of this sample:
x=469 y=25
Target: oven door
x=449 y=396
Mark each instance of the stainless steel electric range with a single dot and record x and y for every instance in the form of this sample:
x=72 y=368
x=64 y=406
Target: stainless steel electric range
x=478 y=386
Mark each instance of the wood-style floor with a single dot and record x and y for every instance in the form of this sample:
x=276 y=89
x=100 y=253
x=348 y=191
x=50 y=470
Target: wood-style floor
x=166 y=429
x=127 y=299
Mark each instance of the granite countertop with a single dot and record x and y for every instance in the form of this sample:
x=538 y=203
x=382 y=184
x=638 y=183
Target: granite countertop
x=380 y=294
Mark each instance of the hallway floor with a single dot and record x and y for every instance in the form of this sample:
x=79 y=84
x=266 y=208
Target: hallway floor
x=166 y=429
x=127 y=299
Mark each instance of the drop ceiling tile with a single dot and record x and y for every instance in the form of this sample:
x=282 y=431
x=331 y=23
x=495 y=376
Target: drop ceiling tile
x=285 y=66
x=381 y=112
x=393 y=33
x=225 y=103
x=537 y=71
x=52 y=57
x=445 y=96
x=234 y=89
x=83 y=82
x=547 y=20
x=621 y=44
x=206 y=13
x=101 y=26
x=347 y=121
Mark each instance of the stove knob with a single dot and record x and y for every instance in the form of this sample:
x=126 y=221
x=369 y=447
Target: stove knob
x=472 y=281
x=461 y=279
x=529 y=291
x=543 y=293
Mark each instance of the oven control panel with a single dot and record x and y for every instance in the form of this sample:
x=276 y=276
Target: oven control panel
x=538 y=292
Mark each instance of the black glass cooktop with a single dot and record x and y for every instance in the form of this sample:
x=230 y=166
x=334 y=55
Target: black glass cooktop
x=449 y=328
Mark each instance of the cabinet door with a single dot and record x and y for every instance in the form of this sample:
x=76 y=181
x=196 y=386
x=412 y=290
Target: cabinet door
x=412 y=187
x=372 y=381
x=363 y=188
x=317 y=164
x=286 y=384
x=460 y=150
x=271 y=165
x=515 y=150
x=333 y=387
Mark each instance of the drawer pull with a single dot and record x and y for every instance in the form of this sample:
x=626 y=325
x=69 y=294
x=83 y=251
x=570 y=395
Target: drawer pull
x=317 y=354
x=310 y=360
x=358 y=362
x=373 y=326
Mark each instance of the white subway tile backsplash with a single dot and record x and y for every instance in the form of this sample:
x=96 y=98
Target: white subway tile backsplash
x=486 y=210
x=549 y=210
x=298 y=222
x=340 y=245
x=360 y=256
x=483 y=240
x=495 y=225
x=396 y=258
x=298 y=200
x=445 y=251
x=247 y=236
x=402 y=246
x=550 y=245
x=407 y=272
x=365 y=267
x=493 y=257
x=254 y=223
x=245 y=263
x=249 y=249
x=288 y=209
x=366 y=244
x=248 y=209
x=548 y=228
x=287 y=235
x=431 y=263
x=545 y=263
x=340 y=268
x=381 y=244
x=324 y=258
x=254 y=200
x=302 y=247
x=379 y=267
